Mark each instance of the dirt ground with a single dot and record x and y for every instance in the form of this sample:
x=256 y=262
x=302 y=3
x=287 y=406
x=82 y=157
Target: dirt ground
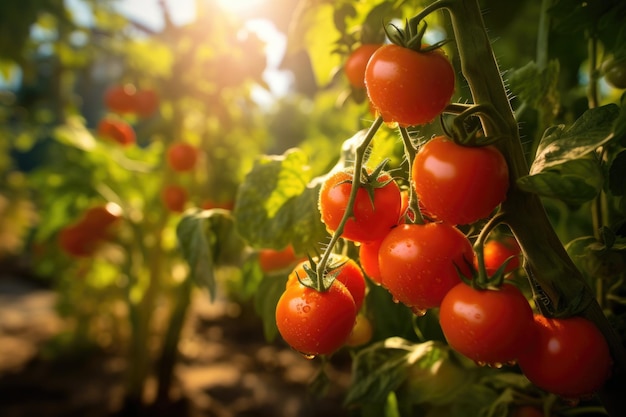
x=227 y=369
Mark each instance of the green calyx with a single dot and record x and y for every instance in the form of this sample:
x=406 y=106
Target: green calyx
x=412 y=35
x=321 y=282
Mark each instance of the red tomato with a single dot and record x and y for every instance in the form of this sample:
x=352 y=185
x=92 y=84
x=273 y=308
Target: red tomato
x=274 y=260
x=99 y=219
x=116 y=130
x=567 y=357
x=345 y=270
x=487 y=326
x=77 y=241
x=146 y=103
x=497 y=251
x=120 y=98
x=357 y=62
x=174 y=197
x=417 y=262
x=314 y=322
x=361 y=333
x=459 y=184
x=527 y=411
x=182 y=156
x=409 y=87
x=211 y=204
x=370 y=220
x=368 y=258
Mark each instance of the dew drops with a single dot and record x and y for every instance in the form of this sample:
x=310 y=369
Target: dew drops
x=395 y=300
x=419 y=312
x=496 y=365
x=481 y=363
x=308 y=356
x=306 y=309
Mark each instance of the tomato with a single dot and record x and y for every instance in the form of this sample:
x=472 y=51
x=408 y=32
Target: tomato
x=174 y=197
x=615 y=73
x=368 y=258
x=274 y=260
x=211 y=204
x=409 y=87
x=357 y=62
x=459 y=184
x=345 y=270
x=77 y=241
x=488 y=326
x=146 y=103
x=371 y=220
x=182 y=156
x=527 y=411
x=497 y=251
x=568 y=357
x=418 y=262
x=120 y=98
x=314 y=322
x=117 y=130
x=361 y=333
x=99 y=219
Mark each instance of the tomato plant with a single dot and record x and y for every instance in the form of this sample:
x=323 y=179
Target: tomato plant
x=182 y=156
x=420 y=263
x=314 y=322
x=459 y=184
x=568 y=357
x=491 y=326
x=356 y=63
x=409 y=87
x=375 y=211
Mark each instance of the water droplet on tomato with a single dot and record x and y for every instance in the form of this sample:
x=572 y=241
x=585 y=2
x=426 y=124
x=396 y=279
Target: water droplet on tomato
x=395 y=300
x=419 y=312
x=306 y=309
x=496 y=365
x=481 y=363
x=308 y=356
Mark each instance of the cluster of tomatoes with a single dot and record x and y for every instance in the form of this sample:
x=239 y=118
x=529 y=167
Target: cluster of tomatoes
x=420 y=255
x=95 y=226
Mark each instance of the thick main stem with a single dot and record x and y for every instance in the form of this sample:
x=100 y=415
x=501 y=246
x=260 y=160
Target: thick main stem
x=547 y=262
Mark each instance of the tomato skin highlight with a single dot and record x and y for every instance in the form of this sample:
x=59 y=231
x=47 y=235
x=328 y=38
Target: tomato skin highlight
x=417 y=262
x=356 y=63
x=568 y=357
x=369 y=221
x=459 y=184
x=313 y=322
x=487 y=326
x=408 y=87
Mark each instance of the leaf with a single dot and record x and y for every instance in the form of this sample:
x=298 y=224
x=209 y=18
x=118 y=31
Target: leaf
x=536 y=86
x=74 y=133
x=208 y=240
x=619 y=126
x=265 y=299
x=570 y=189
x=591 y=130
x=617 y=173
x=276 y=206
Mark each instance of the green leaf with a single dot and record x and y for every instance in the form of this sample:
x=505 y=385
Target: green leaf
x=537 y=86
x=591 y=130
x=277 y=204
x=265 y=299
x=208 y=240
x=619 y=126
x=574 y=182
x=74 y=133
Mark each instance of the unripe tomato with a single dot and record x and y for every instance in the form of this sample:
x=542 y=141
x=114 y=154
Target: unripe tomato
x=182 y=156
x=314 y=322
x=459 y=184
x=615 y=73
x=420 y=263
x=362 y=331
x=409 y=87
x=116 y=130
x=356 y=63
x=174 y=197
x=568 y=357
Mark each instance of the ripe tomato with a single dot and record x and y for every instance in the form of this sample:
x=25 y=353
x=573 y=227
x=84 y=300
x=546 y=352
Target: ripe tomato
x=368 y=258
x=99 y=219
x=120 y=98
x=371 y=220
x=274 y=260
x=357 y=62
x=345 y=270
x=146 y=103
x=174 y=197
x=497 y=251
x=567 y=357
x=487 y=326
x=116 y=130
x=418 y=262
x=182 y=156
x=409 y=87
x=527 y=411
x=314 y=322
x=459 y=184
x=362 y=331
x=77 y=241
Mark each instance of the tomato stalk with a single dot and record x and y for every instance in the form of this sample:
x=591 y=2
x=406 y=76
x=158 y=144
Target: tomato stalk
x=359 y=154
x=409 y=151
x=549 y=266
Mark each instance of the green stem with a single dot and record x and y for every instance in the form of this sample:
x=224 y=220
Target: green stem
x=409 y=151
x=479 y=245
x=546 y=259
x=356 y=183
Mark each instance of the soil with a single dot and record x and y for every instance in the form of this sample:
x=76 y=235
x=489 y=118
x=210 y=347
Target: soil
x=226 y=367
